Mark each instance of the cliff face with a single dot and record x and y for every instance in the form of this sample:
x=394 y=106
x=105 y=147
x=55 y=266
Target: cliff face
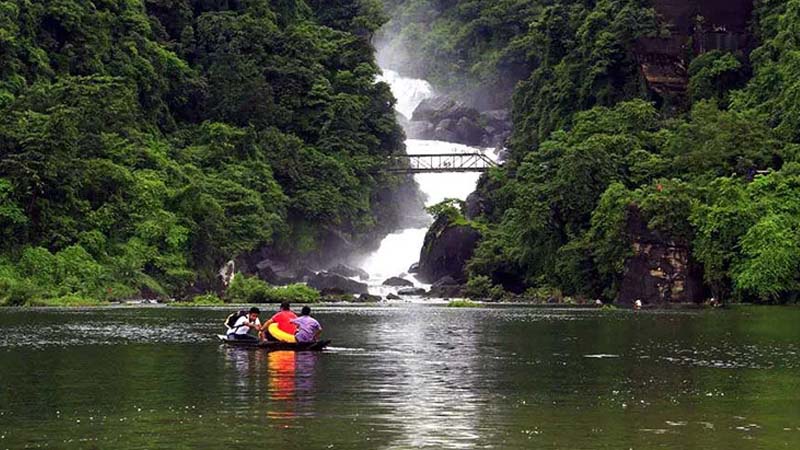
x=661 y=270
x=691 y=28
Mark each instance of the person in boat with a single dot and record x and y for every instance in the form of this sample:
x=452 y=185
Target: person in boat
x=242 y=327
x=280 y=326
x=308 y=329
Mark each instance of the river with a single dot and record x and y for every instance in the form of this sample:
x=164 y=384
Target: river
x=409 y=376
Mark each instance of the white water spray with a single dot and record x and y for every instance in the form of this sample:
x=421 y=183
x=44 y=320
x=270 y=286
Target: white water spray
x=398 y=251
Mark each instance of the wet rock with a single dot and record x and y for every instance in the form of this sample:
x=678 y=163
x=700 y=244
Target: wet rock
x=411 y=291
x=368 y=298
x=661 y=269
x=446 y=287
x=332 y=284
x=439 y=108
x=446 y=250
x=468 y=132
x=498 y=118
x=347 y=271
x=445 y=131
x=445 y=281
x=393 y=297
x=419 y=130
x=414 y=268
x=474 y=205
x=503 y=155
x=397 y=281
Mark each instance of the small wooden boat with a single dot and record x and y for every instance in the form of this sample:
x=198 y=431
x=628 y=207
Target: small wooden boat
x=272 y=345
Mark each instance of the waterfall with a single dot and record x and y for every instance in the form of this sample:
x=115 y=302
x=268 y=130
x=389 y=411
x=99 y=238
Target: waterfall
x=399 y=250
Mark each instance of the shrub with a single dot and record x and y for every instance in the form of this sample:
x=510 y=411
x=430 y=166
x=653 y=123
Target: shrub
x=481 y=286
x=463 y=303
x=207 y=299
x=246 y=289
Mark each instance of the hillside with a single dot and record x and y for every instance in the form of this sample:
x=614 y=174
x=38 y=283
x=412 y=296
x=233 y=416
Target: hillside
x=655 y=146
x=145 y=143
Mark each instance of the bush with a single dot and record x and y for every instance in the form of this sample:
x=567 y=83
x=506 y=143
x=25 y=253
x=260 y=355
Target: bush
x=207 y=299
x=71 y=301
x=463 y=303
x=481 y=286
x=246 y=289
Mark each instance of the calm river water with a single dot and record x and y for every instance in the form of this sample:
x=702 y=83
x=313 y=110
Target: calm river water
x=415 y=376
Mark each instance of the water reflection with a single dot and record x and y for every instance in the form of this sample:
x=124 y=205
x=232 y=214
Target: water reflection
x=434 y=389
x=291 y=389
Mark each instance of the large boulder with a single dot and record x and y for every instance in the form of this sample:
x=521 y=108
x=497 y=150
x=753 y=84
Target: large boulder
x=280 y=274
x=414 y=268
x=446 y=250
x=347 y=271
x=397 y=281
x=334 y=284
x=446 y=287
x=411 y=291
x=436 y=109
x=419 y=129
x=474 y=206
x=661 y=269
x=368 y=298
x=468 y=132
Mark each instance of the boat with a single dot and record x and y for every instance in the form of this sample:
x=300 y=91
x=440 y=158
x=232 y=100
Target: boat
x=274 y=345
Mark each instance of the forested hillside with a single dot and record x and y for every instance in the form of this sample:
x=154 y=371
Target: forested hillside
x=630 y=112
x=143 y=143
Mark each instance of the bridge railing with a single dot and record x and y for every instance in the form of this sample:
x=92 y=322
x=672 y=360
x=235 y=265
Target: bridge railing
x=441 y=163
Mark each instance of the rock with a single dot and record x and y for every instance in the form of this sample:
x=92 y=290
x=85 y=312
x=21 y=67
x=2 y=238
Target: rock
x=446 y=250
x=393 y=297
x=397 y=281
x=347 y=271
x=438 y=108
x=226 y=273
x=411 y=291
x=468 y=132
x=445 y=281
x=280 y=274
x=446 y=287
x=368 y=298
x=498 y=118
x=661 y=270
x=445 y=131
x=503 y=155
x=474 y=205
x=331 y=284
x=419 y=130
x=446 y=292
x=414 y=268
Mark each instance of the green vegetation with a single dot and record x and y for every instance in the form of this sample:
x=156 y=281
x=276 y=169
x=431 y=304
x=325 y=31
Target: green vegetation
x=463 y=303
x=246 y=289
x=145 y=143
x=201 y=300
x=593 y=149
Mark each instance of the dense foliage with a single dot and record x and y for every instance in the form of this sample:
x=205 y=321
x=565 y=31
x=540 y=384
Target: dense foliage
x=714 y=170
x=145 y=142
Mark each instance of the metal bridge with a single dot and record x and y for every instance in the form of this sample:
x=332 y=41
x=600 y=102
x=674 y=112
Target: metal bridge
x=441 y=163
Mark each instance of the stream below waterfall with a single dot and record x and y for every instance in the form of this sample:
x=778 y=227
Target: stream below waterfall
x=399 y=250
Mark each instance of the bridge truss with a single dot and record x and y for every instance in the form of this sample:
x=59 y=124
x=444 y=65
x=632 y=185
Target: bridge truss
x=441 y=163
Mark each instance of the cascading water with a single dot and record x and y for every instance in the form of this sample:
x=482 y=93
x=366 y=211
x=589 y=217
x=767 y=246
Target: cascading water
x=398 y=251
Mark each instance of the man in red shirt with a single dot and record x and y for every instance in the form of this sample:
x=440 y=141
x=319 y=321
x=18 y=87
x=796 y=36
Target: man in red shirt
x=284 y=320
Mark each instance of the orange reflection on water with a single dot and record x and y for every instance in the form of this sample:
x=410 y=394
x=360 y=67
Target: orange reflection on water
x=290 y=385
x=281 y=367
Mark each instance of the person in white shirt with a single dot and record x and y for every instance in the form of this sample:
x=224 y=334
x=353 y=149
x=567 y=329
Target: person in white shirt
x=241 y=328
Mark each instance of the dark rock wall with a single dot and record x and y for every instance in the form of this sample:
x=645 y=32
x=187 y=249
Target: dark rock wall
x=446 y=250
x=661 y=270
x=694 y=27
